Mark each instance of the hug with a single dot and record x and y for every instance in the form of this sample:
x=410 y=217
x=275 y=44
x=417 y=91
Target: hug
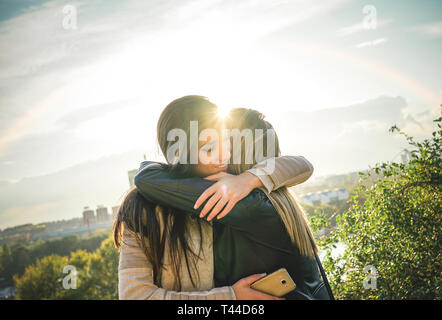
x=208 y=229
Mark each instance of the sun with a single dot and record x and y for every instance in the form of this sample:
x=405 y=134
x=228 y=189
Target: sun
x=223 y=112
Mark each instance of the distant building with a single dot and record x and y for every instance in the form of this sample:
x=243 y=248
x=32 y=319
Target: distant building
x=406 y=156
x=115 y=212
x=131 y=174
x=102 y=214
x=7 y=293
x=328 y=196
x=88 y=216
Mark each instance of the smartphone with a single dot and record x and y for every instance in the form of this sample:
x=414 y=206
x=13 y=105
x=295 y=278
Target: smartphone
x=277 y=284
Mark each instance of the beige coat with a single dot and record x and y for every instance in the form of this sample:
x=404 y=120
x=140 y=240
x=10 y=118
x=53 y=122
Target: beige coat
x=135 y=273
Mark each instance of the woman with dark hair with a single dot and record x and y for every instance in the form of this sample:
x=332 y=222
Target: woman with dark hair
x=262 y=232
x=166 y=253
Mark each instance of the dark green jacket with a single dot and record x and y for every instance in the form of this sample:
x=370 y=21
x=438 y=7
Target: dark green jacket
x=250 y=239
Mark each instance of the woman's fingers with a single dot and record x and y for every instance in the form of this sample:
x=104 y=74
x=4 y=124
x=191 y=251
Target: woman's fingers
x=227 y=209
x=209 y=205
x=217 y=176
x=203 y=197
x=250 y=279
x=244 y=292
x=221 y=203
x=213 y=177
x=256 y=295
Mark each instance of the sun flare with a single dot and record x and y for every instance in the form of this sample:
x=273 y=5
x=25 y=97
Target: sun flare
x=223 y=111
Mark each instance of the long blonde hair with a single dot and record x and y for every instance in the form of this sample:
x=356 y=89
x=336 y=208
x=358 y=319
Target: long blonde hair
x=295 y=220
x=288 y=207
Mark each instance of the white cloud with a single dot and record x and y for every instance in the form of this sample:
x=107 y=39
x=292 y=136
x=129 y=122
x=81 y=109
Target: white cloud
x=358 y=27
x=371 y=43
x=364 y=126
x=431 y=30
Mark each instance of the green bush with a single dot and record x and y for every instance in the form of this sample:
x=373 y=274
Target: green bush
x=395 y=226
x=14 y=259
x=96 y=276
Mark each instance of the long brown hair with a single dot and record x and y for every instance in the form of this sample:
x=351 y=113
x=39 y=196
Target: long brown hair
x=291 y=212
x=146 y=218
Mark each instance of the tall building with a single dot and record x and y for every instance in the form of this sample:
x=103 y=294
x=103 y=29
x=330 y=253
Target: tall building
x=102 y=214
x=88 y=216
x=406 y=156
x=115 y=212
x=131 y=174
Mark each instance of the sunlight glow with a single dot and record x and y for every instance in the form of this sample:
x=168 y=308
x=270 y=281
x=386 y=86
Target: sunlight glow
x=223 y=111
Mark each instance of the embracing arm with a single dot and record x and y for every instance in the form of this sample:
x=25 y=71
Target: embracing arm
x=157 y=185
x=271 y=174
x=287 y=171
x=135 y=281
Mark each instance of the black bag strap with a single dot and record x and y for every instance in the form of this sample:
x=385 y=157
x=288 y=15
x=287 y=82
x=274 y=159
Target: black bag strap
x=321 y=269
x=324 y=276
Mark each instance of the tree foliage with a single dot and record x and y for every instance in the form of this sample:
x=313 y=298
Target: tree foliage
x=96 y=275
x=14 y=259
x=394 y=225
x=42 y=280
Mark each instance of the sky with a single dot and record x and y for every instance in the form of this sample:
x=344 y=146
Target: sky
x=82 y=82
